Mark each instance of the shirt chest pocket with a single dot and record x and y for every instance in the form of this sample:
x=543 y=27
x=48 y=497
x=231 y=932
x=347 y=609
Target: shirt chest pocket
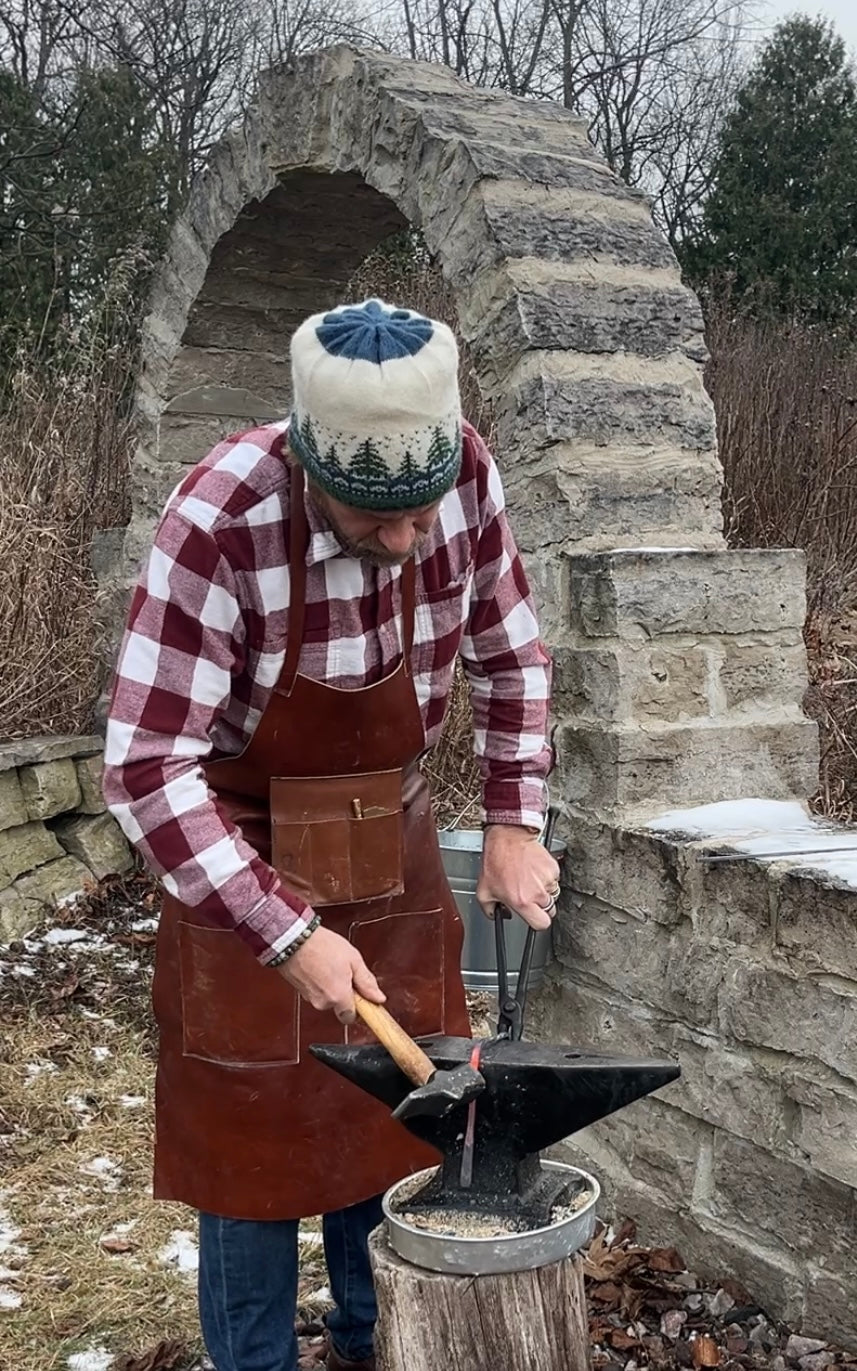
x=441 y=613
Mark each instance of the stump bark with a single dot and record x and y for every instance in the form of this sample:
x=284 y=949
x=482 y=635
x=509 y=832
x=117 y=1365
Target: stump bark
x=526 y=1321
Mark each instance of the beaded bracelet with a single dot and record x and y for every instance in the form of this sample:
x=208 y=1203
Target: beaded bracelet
x=298 y=942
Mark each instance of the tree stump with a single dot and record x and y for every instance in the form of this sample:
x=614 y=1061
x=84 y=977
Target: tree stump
x=526 y=1321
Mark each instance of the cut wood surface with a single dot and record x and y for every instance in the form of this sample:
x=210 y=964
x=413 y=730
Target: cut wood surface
x=526 y=1321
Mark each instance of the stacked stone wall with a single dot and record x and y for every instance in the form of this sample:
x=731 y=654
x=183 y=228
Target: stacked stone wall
x=746 y=972
x=56 y=838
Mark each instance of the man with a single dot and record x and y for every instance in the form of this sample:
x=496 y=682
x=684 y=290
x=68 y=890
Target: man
x=287 y=661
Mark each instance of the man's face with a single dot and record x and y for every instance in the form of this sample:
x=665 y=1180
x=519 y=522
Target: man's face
x=383 y=538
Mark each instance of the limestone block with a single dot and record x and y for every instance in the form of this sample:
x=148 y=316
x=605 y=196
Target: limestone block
x=647 y=314
x=54 y=884
x=666 y=969
x=16 y=917
x=13 y=808
x=671 y=685
x=30 y=751
x=551 y=399
x=649 y=594
x=745 y=1093
x=796 y=1014
x=829 y=1309
x=569 y=1009
x=632 y=771
x=739 y=901
x=659 y=1144
x=826 y=1126
x=608 y=497
x=641 y=872
x=24 y=847
x=817 y=923
x=96 y=841
x=50 y=788
x=754 y=676
x=89 y=771
x=502 y=220
x=228 y=366
x=658 y=683
x=809 y=1217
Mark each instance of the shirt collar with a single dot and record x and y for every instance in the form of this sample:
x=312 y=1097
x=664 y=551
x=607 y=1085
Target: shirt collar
x=322 y=543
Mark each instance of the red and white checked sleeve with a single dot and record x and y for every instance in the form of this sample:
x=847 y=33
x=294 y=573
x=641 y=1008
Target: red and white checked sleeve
x=183 y=643
x=508 y=669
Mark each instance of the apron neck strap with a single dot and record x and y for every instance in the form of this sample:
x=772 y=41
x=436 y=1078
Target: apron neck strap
x=298 y=544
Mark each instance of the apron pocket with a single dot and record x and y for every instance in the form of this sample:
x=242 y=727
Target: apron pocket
x=338 y=839
x=406 y=953
x=234 y=1011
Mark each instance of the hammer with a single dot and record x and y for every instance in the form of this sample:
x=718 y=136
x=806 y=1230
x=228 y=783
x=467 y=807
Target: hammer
x=437 y=1091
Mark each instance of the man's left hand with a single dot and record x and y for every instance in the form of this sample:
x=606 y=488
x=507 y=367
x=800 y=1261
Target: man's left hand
x=519 y=872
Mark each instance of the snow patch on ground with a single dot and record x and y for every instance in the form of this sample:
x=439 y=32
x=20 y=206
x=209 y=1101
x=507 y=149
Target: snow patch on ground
x=35 y=1069
x=181 y=1251
x=101 y=1053
x=770 y=830
x=11 y=1248
x=144 y=926
x=132 y=1101
x=104 y=1169
x=96 y=1359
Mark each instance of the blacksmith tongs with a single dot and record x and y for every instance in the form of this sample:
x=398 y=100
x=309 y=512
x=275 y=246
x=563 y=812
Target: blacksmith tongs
x=510 y=1024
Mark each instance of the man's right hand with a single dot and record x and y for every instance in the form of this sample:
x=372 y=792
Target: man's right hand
x=327 y=970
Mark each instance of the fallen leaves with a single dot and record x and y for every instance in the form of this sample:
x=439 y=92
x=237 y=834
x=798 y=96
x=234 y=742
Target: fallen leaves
x=167 y=1356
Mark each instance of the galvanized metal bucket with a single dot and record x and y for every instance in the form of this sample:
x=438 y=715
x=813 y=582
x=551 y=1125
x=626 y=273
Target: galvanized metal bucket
x=461 y=850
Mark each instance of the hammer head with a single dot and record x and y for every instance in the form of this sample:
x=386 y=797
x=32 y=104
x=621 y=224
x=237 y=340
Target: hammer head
x=443 y=1092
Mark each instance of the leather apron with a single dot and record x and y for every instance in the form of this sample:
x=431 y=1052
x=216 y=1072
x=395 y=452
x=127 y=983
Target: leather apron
x=248 y=1123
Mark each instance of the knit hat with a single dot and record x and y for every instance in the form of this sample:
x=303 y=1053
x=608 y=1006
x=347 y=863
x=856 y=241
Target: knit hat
x=376 y=417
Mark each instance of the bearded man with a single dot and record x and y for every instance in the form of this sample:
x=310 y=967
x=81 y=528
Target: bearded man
x=287 y=662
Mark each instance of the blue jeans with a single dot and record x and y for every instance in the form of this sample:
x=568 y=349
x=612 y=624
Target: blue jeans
x=248 y=1283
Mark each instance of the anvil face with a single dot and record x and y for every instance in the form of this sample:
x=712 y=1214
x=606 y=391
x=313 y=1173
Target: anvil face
x=535 y=1095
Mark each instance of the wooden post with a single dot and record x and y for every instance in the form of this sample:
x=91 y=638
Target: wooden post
x=519 y=1322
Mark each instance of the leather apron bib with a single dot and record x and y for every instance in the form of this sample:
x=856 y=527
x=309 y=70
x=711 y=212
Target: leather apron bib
x=248 y=1123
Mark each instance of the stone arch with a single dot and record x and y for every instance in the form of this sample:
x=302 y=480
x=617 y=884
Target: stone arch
x=584 y=337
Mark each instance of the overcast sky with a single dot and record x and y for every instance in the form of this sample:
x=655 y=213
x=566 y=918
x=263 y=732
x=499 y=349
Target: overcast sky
x=843 y=13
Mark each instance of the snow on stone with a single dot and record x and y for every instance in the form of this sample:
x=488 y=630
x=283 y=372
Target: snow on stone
x=96 y=1359
x=104 y=1169
x=780 y=827
x=181 y=1251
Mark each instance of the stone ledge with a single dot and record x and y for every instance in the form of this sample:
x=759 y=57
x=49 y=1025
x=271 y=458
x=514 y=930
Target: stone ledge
x=32 y=751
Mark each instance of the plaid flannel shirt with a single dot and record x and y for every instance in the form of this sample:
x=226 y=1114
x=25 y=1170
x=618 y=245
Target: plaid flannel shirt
x=205 y=642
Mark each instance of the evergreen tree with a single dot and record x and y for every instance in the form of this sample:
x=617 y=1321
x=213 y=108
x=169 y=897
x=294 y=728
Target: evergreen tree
x=368 y=472
x=780 y=226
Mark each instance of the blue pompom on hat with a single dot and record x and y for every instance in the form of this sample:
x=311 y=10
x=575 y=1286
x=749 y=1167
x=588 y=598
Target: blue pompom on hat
x=376 y=412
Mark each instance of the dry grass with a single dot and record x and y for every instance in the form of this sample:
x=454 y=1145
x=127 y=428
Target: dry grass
x=88 y=1263
x=64 y=450
x=786 y=402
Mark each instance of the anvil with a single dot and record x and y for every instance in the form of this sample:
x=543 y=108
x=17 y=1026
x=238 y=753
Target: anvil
x=535 y=1095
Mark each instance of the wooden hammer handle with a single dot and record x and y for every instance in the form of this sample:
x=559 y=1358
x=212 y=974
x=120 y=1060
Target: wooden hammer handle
x=407 y=1055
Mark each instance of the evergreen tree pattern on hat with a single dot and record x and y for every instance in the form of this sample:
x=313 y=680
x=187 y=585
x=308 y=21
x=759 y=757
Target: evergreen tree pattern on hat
x=376 y=416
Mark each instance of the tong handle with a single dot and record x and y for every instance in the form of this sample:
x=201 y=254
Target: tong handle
x=511 y=1024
